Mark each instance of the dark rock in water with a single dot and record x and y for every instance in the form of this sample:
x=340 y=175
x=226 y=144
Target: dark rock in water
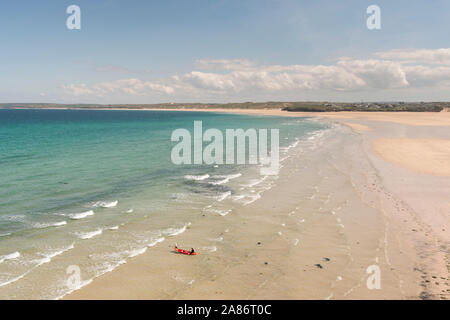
x=258 y=243
x=326 y=259
x=318 y=265
x=266 y=262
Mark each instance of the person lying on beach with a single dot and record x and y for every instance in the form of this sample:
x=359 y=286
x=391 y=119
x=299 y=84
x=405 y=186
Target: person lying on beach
x=191 y=252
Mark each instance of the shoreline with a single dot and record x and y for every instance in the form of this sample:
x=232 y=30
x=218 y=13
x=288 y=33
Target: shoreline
x=407 y=117
x=415 y=227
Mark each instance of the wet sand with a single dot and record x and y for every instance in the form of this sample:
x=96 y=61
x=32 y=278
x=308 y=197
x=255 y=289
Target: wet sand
x=356 y=199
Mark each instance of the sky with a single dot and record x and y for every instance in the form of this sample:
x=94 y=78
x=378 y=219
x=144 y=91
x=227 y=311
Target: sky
x=224 y=51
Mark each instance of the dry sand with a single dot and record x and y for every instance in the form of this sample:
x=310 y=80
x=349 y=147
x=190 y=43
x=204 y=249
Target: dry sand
x=430 y=156
x=410 y=118
x=398 y=219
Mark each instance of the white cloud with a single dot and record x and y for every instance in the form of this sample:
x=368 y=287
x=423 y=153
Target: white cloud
x=426 y=76
x=77 y=89
x=391 y=70
x=424 y=56
x=377 y=74
x=127 y=86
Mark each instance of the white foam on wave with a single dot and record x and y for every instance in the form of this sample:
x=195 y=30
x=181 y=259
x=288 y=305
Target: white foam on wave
x=252 y=198
x=130 y=211
x=5 y=234
x=81 y=285
x=197 y=178
x=254 y=183
x=225 y=179
x=49 y=256
x=223 y=196
x=82 y=215
x=293 y=145
x=176 y=231
x=222 y=213
x=14 y=279
x=10 y=256
x=104 y=204
x=89 y=235
x=48 y=225
x=156 y=241
x=136 y=252
x=107 y=267
x=17 y=217
x=114 y=228
x=110 y=266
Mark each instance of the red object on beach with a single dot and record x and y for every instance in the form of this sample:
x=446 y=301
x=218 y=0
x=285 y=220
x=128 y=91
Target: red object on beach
x=185 y=252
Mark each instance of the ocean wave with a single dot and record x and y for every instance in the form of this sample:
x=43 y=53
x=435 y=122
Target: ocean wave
x=223 y=196
x=225 y=179
x=3 y=284
x=5 y=234
x=114 y=228
x=49 y=256
x=175 y=231
x=209 y=249
x=81 y=285
x=47 y=225
x=136 y=252
x=104 y=204
x=13 y=218
x=82 y=215
x=109 y=266
x=10 y=256
x=222 y=213
x=89 y=235
x=255 y=182
x=292 y=145
x=252 y=199
x=197 y=178
x=156 y=241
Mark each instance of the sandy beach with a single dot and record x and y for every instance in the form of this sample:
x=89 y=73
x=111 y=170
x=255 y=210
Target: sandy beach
x=373 y=192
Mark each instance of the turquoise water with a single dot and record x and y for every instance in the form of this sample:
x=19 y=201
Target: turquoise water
x=96 y=187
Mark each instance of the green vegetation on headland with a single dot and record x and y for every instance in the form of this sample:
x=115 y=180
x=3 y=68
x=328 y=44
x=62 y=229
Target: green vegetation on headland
x=368 y=107
x=288 y=106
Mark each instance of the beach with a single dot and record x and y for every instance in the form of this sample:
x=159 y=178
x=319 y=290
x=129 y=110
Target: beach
x=369 y=194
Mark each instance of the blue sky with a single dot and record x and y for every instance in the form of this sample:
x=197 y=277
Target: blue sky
x=149 y=51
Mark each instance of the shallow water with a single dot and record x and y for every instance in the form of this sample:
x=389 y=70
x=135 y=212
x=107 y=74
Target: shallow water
x=94 y=188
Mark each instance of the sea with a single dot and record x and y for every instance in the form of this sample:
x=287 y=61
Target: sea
x=84 y=191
